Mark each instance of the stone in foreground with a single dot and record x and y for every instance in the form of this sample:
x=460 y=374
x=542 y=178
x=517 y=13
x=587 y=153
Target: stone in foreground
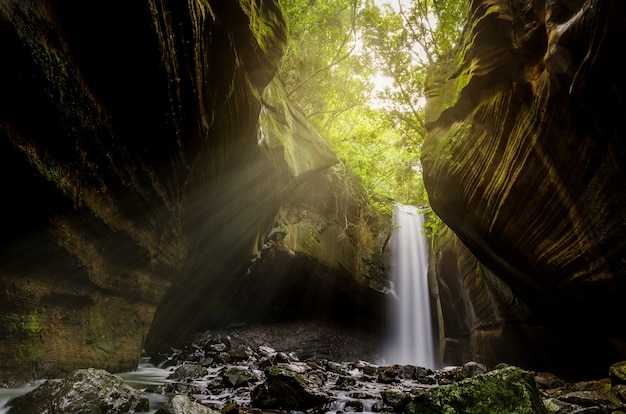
x=287 y=390
x=181 y=404
x=506 y=390
x=85 y=391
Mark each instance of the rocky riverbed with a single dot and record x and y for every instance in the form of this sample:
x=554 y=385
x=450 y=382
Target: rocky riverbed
x=307 y=368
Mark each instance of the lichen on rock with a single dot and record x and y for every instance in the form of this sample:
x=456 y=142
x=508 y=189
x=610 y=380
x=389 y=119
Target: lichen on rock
x=505 y=390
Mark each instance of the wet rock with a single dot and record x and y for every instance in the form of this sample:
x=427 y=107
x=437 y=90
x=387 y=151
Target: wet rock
x=336 y=367
x=396 y=399
x=188 y=371
x=451 y=374
x=87 y=391
x=472 y=368
x=554 y=405
x=352 y=406
x=193 y=352
x=388 y=376
x=345 y=382
x=267 y=352
x=591 y=410
x=619 y=391
x=286 y=357
x=545 y=380
x=238 y=377
x=318 y=376
x=364 y=386
x=241 y=353
x=181 y=404
x=617 y=373
x=216 y=349
x=230 y=408
x=224 y=358
x=592 y=399
x=284 y=389
x=297 y=367
x=183 y=388
x=367 y=367
x=507 y=390
x=602 y=385
x=206 y=361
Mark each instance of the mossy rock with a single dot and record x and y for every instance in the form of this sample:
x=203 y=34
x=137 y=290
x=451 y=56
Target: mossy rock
x=238 y=377
x=617 y=373
x=182 y=404
x=506 y=390
x=287 y=390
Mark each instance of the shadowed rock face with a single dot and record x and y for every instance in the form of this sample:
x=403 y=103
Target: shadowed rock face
x=124 y=128
x=144 y=154
x=525 y=161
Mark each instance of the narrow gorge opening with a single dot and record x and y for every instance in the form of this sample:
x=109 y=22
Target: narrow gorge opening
x=258 y=212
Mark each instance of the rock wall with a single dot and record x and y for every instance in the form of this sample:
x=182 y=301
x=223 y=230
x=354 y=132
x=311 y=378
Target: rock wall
x=482 y=319
x=135 y=181
x=525 y=162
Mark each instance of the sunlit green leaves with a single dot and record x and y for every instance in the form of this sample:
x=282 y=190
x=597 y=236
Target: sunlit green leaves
x=337 y=51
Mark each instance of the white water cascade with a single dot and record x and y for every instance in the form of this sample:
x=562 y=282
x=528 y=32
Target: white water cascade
x=411 y=336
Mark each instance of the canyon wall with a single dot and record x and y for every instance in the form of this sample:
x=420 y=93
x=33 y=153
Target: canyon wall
x=135 y=178
x=525 y=161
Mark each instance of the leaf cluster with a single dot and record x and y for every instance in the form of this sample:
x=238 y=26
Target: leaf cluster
x=337 y=51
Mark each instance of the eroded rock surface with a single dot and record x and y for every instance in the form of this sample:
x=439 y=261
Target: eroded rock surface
x=525 y=162
x=137 y=184
x=124 y=129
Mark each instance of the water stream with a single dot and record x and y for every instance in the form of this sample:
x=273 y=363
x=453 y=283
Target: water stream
x=411 y=336
x=146 y=376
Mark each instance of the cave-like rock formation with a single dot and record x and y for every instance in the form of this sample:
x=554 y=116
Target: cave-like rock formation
x=134 y=177
x=525 y=160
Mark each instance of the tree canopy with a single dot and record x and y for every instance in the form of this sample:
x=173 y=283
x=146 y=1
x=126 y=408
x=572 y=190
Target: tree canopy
x=356 y=69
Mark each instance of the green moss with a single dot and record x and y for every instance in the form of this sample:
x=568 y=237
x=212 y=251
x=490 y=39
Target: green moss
x=24 y=333
x=268 y=26
x=287 y=138
x=509 y=390
x=23 y=327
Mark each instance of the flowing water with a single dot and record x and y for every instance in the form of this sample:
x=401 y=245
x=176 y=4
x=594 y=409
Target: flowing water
x=411 y=336
x=146 y=376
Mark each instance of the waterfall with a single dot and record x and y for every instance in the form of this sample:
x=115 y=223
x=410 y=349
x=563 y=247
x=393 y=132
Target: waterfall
x=411 y=333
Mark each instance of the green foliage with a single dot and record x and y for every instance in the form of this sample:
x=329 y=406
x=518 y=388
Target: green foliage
x=337 y=51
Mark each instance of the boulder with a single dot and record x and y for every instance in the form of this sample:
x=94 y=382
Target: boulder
x=286 y=390
x=87 y=391
x=238 y=377
x=451 y=374
x=396 y=399
x=617 y=373
x=186 y=370
x=506 y=390
x=182 y=404
x=603 y=400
